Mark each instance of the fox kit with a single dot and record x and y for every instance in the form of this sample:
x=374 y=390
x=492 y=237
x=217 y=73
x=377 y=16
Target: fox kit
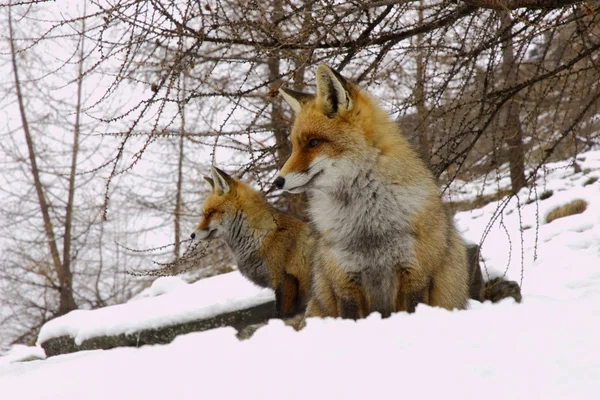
x=272 y=248
x=386 y=242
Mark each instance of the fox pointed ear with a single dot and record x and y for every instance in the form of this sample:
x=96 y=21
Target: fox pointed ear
x=222 y=181
x=333 y=90
x=210 y=184
x=294 y=98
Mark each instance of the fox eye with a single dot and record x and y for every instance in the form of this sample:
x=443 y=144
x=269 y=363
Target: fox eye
x=209 y=214
x=312 y=143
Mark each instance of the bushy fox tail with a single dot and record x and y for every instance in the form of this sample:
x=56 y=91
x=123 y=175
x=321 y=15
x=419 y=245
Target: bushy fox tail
x=498 y=288
x=495 y=289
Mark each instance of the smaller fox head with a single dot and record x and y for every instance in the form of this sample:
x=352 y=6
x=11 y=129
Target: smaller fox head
x=333 y=131
x=219 y=207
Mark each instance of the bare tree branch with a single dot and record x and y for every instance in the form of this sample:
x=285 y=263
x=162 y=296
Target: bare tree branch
x=516 y=4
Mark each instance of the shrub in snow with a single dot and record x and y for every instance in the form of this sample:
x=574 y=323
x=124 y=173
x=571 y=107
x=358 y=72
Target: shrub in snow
x=575 y=207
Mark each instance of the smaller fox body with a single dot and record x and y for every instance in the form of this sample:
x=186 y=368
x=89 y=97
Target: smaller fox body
x=273 y=249
x=386 y=241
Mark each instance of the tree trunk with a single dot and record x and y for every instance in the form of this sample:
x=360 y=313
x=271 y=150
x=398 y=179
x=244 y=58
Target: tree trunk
x=296 y=204
x=303 y=56
x=178 y=198
x=424 y=145
x=512 y=127
x=277 y=121
x=67 y=303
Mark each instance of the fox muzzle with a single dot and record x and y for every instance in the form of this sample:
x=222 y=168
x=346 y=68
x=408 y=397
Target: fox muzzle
x=203 y=234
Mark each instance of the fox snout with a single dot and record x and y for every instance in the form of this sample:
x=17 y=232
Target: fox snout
x=203 y=234
x=279 y=182
x=296 y=182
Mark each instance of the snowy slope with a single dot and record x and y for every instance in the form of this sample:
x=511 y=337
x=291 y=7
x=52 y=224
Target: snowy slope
x=565 y=258
x=547 y=347
x=168 y=301
x=540 y=350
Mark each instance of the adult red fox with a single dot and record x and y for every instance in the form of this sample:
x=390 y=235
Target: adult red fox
x=273 y=249
x=386 y=242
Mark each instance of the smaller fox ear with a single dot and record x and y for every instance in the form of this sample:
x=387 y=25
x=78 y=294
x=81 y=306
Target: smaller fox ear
x=222 y=181
x=210 y=183
x=333 y=90
x=295 y=99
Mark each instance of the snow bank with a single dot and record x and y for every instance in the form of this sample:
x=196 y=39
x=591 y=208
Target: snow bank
x=20 y=352
x=169 y=301
x=547 y=347
x=537 y=350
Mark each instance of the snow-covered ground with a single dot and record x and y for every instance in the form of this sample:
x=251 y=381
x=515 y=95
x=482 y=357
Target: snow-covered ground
x=547 y=347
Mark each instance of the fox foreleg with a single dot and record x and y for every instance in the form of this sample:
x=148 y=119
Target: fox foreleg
x=413 y=288
x=287 y=296
x=351 y=299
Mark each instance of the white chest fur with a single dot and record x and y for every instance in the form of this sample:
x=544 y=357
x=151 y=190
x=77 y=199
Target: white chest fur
x=365 y=221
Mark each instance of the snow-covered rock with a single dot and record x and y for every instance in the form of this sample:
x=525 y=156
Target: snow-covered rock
x=169 y=301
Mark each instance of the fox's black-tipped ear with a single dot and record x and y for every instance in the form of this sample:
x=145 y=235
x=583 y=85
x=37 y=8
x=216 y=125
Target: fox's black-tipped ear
x=295 y=99
x=210 y=183
x=222 y=182
x=333 y=90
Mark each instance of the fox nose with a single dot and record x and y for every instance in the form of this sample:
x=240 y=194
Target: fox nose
x=279 y=182
x=193 y=235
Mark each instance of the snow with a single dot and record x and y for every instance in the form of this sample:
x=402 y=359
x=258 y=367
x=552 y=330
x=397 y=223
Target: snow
x=501 y=351
x=161 y=286
x=568 y=245
x=168 y=301
x=547 y=347
x=19 y=352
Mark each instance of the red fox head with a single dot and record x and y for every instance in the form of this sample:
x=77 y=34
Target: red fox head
x=333 y=131
x=219 y=207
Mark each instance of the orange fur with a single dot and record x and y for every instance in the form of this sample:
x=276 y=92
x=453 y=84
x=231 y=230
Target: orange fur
x=284 y=243
x=348 y=125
